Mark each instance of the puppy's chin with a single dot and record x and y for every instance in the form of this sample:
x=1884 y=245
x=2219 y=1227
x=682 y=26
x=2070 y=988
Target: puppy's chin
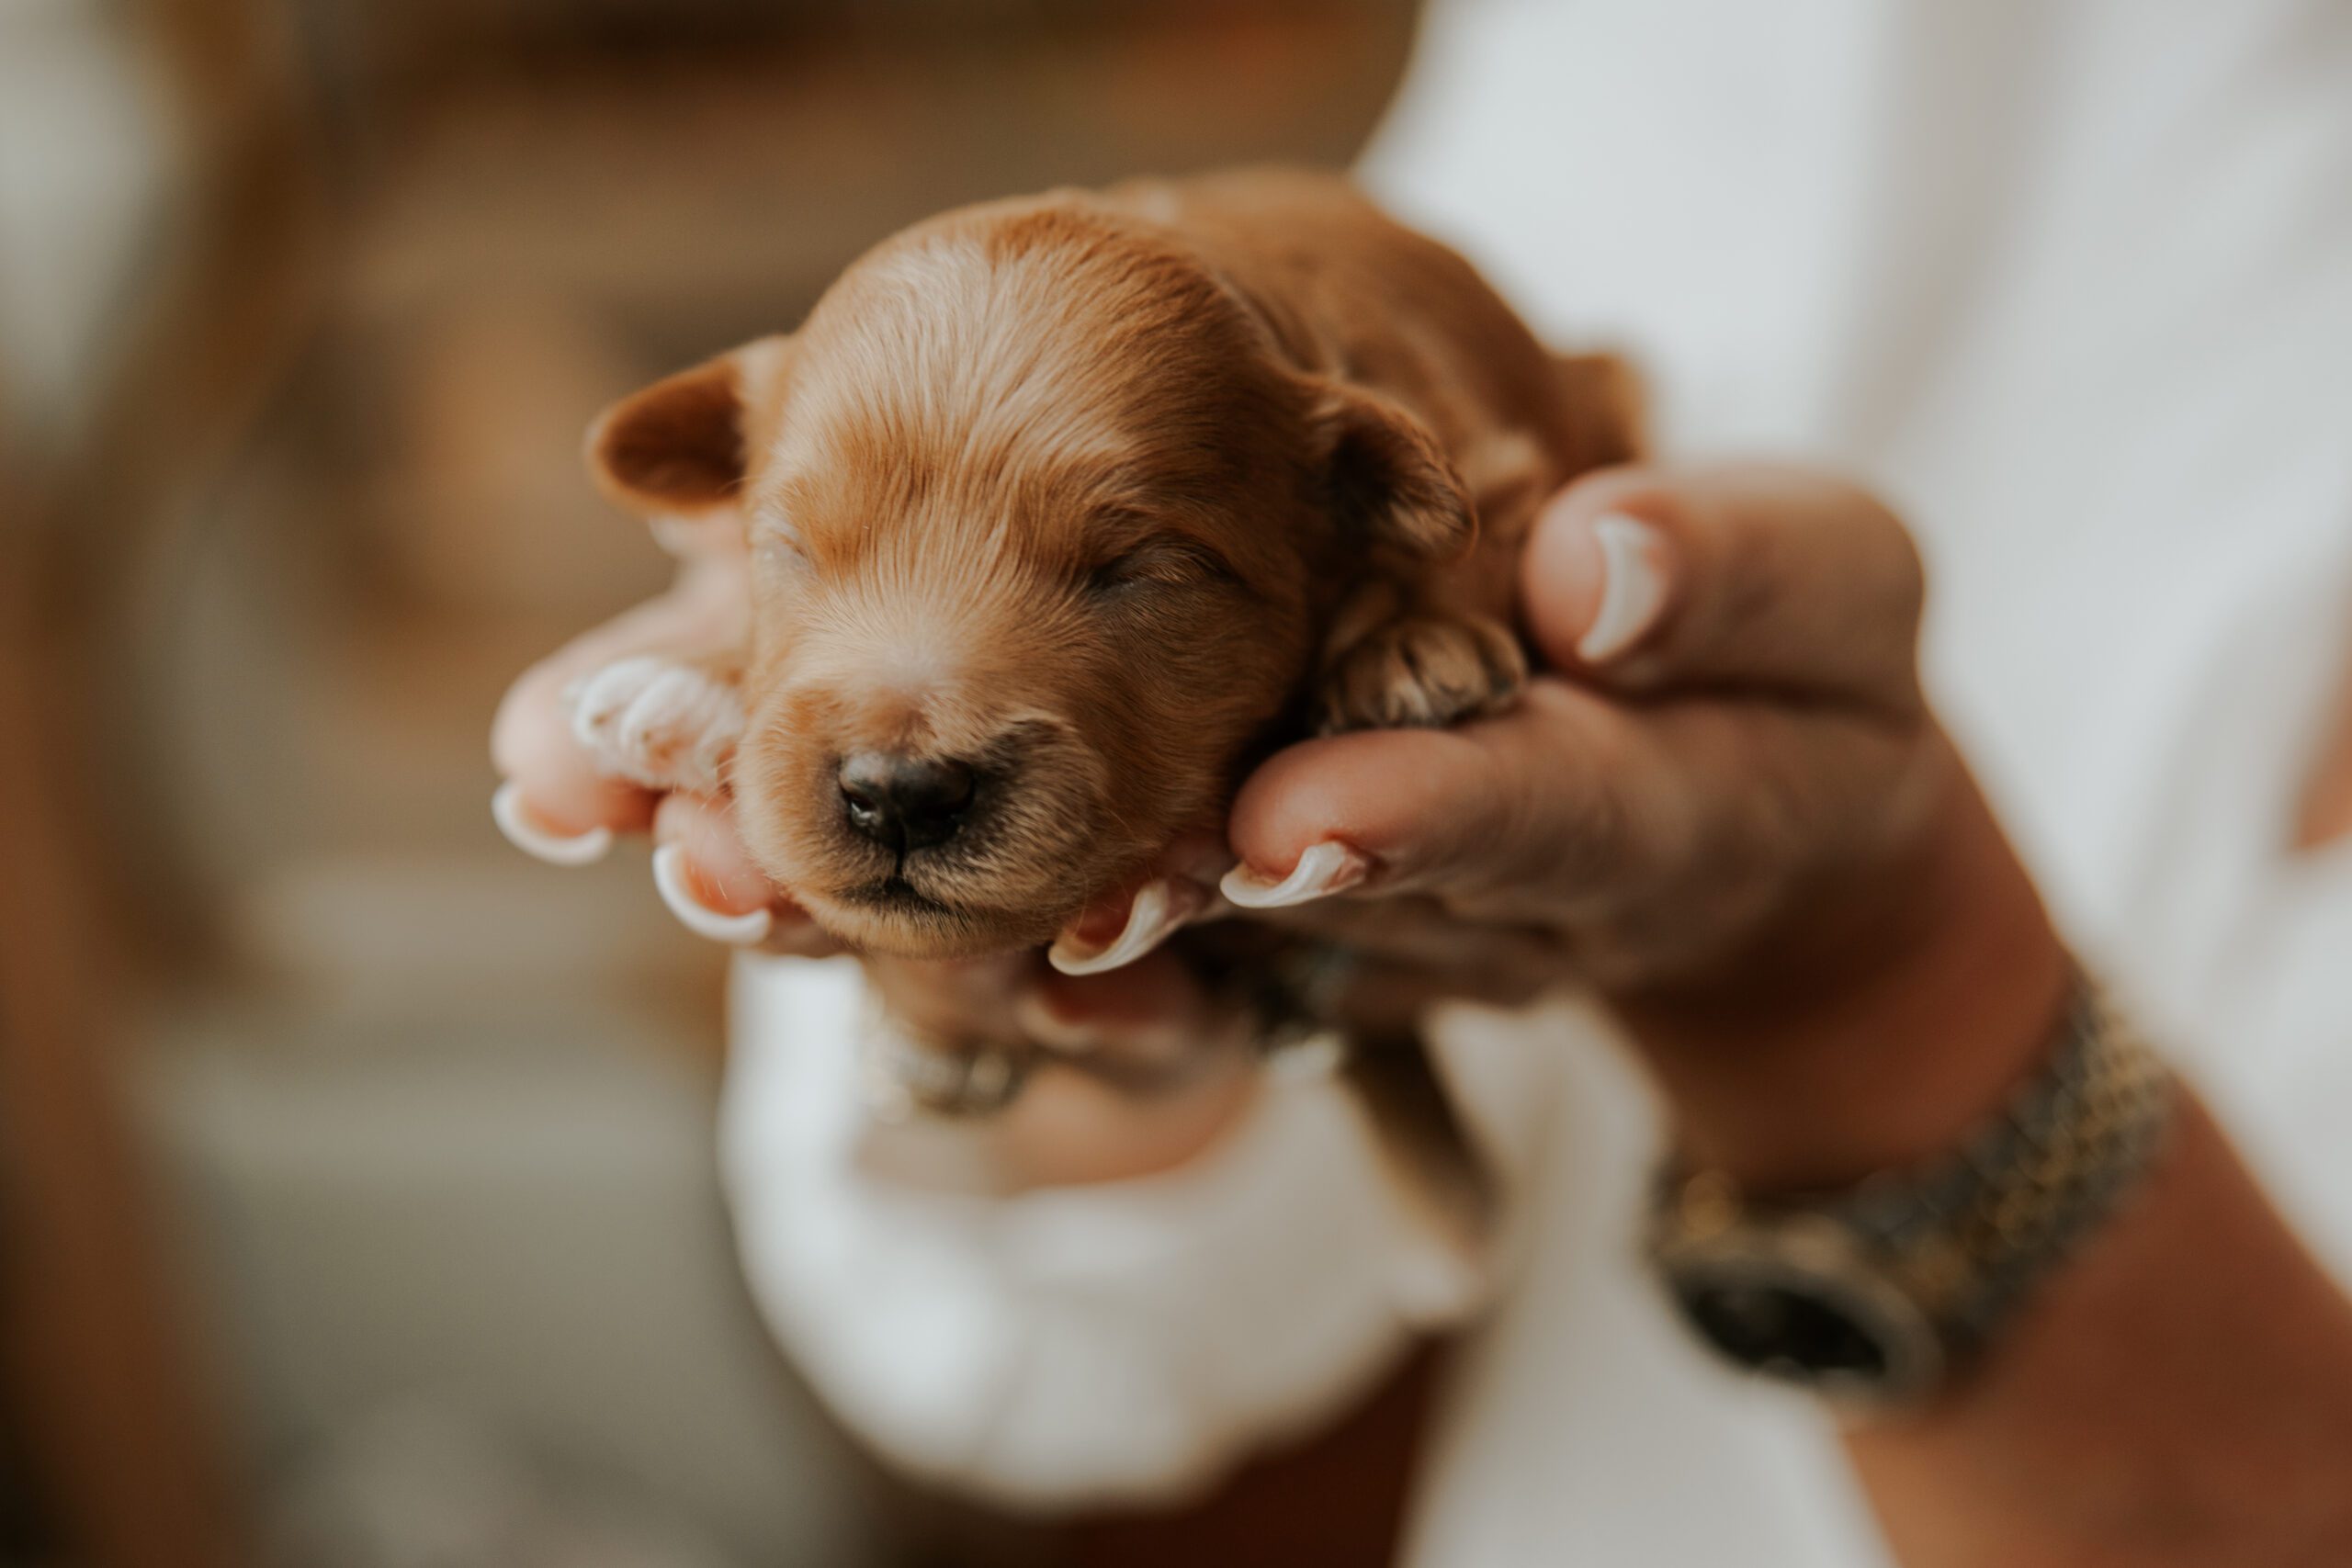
x=891 y=919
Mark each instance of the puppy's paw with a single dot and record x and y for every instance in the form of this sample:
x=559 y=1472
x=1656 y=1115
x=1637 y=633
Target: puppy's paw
x=664 y=722
x=1421 y=670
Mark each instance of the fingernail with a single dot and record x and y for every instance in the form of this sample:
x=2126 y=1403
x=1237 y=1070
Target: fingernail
x=1326 y=868
x=1160 y=907
x=669 y=881
x=1633 y=587
x=597 y=695
x=527 y=834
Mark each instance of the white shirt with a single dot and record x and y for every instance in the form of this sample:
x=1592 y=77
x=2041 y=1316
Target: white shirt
x=2071 y=280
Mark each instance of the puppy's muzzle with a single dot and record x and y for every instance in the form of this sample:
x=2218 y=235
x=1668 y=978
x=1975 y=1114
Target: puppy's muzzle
x=907 y=803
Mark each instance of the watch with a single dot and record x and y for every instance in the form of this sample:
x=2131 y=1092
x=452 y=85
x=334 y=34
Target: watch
x=1880 y=1294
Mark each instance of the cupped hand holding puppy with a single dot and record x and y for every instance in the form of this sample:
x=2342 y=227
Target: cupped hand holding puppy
x=556 y=803
x=1725 y=803
x=1727 y=806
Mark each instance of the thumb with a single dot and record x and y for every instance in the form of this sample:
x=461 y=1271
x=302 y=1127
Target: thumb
x=1746 y=577
x=1562 y=793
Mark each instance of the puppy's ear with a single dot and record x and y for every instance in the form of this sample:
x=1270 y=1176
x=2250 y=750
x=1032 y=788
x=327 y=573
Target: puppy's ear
x=1390 y=479
x=1606 y=408
x=677 y=448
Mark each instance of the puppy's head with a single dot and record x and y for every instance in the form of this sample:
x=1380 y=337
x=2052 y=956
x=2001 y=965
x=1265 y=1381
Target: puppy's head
x=1042 y=531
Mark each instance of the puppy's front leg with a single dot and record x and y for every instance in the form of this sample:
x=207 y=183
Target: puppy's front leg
x=666 y=723
x=1397 y=658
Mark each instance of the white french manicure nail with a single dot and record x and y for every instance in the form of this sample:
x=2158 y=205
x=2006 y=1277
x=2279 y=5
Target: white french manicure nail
x=515 y=820
x=1157 y=912
x=669 y=881
x=1633 y=587
x=1326 y=868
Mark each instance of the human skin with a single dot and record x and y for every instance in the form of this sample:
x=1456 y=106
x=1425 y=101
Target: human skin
x=1741 y=822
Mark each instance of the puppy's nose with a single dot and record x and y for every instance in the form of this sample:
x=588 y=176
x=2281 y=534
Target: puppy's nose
x=905 y=801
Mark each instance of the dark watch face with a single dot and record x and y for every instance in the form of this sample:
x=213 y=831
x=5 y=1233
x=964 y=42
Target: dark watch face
x=1800 y=1302
x=1781 y=1328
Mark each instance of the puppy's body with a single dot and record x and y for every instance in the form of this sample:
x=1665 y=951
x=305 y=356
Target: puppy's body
x=1063 y=509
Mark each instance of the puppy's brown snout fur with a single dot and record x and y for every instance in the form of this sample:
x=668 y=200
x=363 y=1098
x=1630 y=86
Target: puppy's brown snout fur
x=907 y=803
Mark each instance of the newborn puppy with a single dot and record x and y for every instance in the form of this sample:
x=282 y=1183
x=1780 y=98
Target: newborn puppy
x=1061 y=511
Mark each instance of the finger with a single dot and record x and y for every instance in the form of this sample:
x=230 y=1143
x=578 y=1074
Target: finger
x=552 y=801
x=558 y=798
x=715 y=888
x=1574 y=804
x=1744 y=576
x=1543 y=795
x=1127 y=921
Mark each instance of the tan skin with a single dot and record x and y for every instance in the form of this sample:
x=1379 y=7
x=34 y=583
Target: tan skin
x=1747 y=829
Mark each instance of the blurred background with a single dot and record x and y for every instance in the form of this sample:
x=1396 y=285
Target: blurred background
x=357 y=1196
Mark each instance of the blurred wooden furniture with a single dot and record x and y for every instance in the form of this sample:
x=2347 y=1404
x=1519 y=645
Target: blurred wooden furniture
x=126 y=1466
x=123 y=1464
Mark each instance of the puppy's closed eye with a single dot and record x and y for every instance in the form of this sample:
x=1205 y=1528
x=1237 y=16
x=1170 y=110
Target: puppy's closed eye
x=776 y=547
x=1160 y=563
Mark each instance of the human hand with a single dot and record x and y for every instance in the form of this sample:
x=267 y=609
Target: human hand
x=1727 y=806
x=554 y=802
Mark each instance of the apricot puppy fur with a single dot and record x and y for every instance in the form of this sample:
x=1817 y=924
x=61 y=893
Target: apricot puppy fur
x=1061 y=511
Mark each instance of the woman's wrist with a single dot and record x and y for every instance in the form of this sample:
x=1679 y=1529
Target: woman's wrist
x=1896 y=1017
